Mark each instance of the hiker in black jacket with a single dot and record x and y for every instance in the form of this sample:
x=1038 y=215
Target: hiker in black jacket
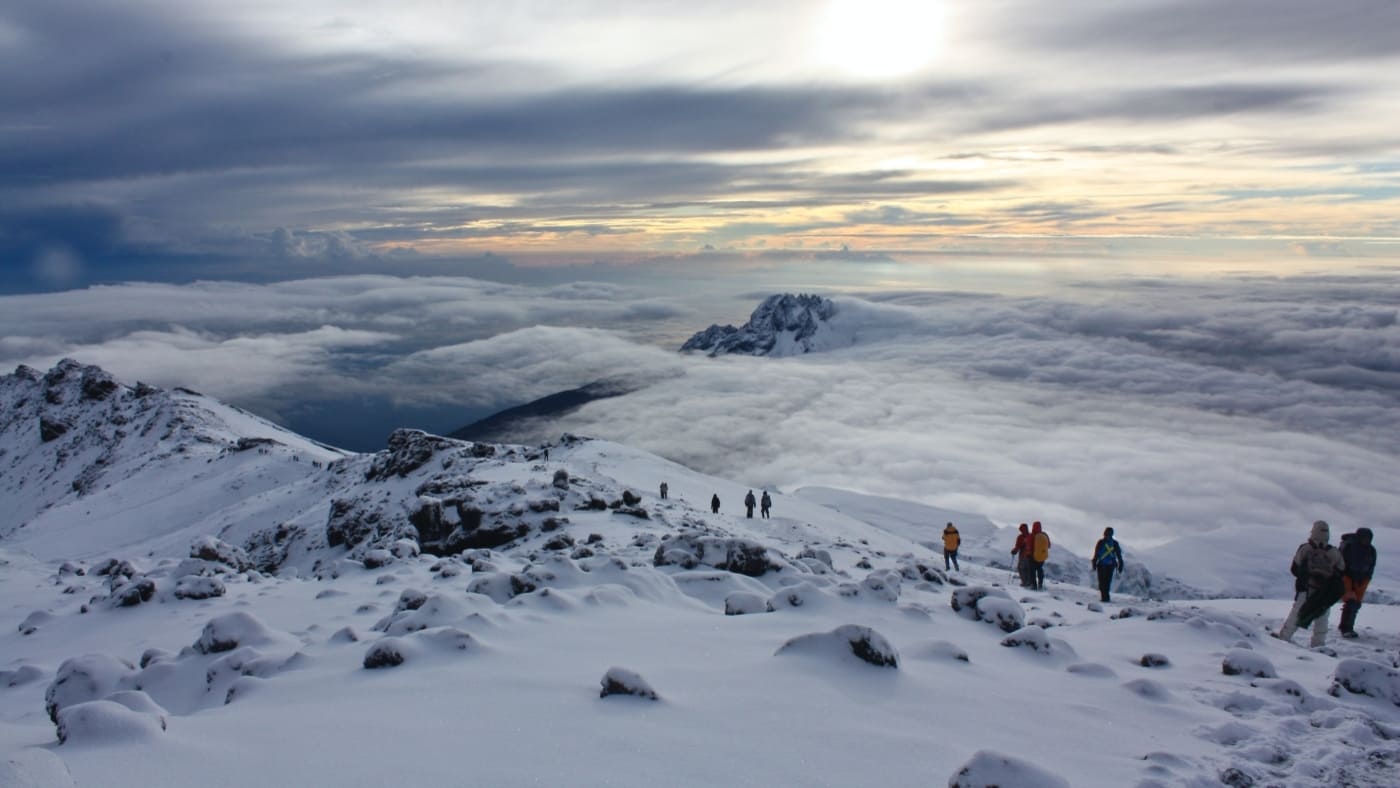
x=1317 y=570
x=1360 y=558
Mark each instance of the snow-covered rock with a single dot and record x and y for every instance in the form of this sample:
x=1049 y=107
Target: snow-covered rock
x=86 y=678
x=1245 y=662
x=104 y=722
x=621 y=681
x=232 y=630
x=783 y=325
x=845 y=642
x=988 y=769
x=1361 y=677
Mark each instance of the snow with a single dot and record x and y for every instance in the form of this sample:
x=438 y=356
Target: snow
x=493 y=659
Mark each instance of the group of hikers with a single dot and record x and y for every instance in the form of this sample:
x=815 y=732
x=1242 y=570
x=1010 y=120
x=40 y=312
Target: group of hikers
x=1324 y=575
x=1032 y=550
x=764 y=504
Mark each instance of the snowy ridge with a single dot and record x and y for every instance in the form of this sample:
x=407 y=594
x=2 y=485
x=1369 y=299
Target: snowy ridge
x=88 y=464
x=783 y=325
x=510 y=593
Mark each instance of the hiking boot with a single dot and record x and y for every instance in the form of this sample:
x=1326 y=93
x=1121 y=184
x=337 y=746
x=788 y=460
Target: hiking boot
x=1348 y=634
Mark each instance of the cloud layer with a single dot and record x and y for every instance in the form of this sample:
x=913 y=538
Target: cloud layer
x=1161 y=407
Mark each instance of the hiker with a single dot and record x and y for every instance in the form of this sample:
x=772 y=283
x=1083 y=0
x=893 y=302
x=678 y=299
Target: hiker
x=1022 y=551
x=1108 y=556
x=714 y=503
x=1040 y=553
x=664 y=490
x=1317 y=567
x=951 y=540
x=749 y=503
x=1359 y=556
x=764 y=504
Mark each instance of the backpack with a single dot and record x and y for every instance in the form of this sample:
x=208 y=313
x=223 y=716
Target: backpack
x=1040 y=548
x=1108 y=554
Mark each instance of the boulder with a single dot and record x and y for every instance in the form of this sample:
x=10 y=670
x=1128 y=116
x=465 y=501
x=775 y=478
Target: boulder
x=196 y=587
x=847 y=640
x=621 y=681
x=86 y=678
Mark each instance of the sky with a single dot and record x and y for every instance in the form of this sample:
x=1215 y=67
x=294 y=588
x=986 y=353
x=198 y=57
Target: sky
x=1151 y=242
x=260 y=141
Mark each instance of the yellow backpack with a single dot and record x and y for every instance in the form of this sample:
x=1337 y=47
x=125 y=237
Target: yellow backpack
x=1040 y=549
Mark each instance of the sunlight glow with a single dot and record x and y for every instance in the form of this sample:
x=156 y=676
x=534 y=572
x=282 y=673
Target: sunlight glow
x=880 y=39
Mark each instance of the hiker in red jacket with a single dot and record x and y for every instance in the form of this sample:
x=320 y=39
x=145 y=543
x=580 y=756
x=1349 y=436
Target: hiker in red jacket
x=1022 y=551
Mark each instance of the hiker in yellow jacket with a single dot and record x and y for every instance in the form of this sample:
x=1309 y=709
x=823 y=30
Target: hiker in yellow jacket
x=951 y=540
x=1040 y=553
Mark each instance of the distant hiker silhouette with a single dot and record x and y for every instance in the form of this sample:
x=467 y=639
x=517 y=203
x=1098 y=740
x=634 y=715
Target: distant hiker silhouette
x=749 y=504
x=1022 y=551
x=764 y=504
x=714 y=503
x=1108 y=557
x=664 y=489
x=1360 y=559
x=951 y=540
x=1317 y=570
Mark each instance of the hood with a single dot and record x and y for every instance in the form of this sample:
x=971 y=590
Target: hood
x=1035 y=529
x=1363 y=535
x=1321 y=533
x=1024 y=529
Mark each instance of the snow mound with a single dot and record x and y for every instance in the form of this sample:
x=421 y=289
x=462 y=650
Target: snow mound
x=621 y=681
x=1360 y=677
x=989 y=769
x=938 y=651
x=392 y=651
x=844 y=642
x=232 y=630
x=101 y=722
x=86 y=678
x=24 y=674
x=740 y=603
x=742 y=556
x=34 y=767
x=991 y=605
x=197 y=587
x=1244 y=662
x=1031 y=638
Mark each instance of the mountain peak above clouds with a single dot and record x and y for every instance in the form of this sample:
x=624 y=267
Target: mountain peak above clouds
x=783 y=325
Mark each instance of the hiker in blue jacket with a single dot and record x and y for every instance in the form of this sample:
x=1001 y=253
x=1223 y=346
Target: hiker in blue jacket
x=1108 y=557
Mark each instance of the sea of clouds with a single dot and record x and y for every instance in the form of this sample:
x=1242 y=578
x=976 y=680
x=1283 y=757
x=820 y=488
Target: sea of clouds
x=1163 y=407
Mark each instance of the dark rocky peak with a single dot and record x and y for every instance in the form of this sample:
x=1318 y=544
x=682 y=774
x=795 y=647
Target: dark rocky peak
x=783 y=324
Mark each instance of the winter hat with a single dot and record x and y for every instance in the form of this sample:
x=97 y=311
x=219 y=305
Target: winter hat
x=1320 y=533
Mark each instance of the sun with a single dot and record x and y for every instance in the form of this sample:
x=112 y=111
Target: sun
x=880 y=39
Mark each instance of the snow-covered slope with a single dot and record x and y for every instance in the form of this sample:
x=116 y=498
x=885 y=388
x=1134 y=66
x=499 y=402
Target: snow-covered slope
x=539 y=615
x=89 y=465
